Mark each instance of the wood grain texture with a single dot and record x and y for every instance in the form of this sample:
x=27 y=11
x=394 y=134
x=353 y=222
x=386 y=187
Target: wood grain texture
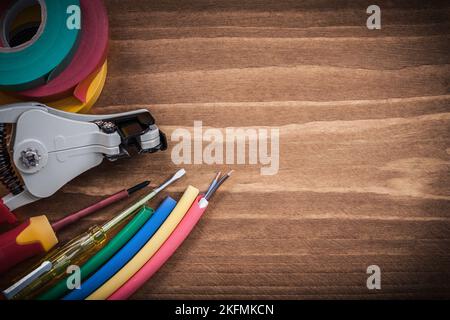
x=364 y=118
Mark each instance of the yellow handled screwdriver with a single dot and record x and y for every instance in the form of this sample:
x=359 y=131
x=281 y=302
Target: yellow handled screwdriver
x=37 y=235
x=77 y=250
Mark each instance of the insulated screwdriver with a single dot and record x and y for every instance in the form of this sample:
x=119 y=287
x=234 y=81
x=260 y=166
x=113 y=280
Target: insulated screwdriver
x=37 y=235
x=78 y=249
x=55 y=264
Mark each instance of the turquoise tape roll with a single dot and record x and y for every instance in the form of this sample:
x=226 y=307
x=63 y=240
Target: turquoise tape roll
x=32 y=63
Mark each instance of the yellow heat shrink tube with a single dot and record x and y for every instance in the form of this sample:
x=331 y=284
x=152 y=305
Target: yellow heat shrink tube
x=150 y=248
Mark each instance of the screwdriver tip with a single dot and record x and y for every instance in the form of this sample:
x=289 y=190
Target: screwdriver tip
x=179 y=174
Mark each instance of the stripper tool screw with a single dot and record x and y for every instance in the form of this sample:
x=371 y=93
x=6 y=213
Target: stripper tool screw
x=30 y=158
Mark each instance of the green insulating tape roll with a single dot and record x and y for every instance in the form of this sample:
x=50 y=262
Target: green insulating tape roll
x=103 y=255
x=32 y=63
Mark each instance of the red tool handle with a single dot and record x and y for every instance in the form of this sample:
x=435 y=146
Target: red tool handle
x=32 y=237
x=71 y=218
x=5 y=214
x=12 y=253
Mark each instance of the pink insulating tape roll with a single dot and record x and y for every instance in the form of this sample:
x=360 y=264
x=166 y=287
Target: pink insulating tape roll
x=89 y=57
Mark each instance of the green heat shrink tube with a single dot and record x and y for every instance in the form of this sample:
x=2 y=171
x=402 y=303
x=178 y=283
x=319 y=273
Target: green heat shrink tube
x=60 y=288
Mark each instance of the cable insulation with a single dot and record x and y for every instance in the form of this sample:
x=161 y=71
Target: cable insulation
x=164 y=253
x=125 y=254
x=103 y=255
x=149 y=249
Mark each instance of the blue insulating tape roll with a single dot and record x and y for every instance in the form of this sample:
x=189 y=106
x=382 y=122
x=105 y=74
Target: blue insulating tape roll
x=30 y=64
x=125 y=254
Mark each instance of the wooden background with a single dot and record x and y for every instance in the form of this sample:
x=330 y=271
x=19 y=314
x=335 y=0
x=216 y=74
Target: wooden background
x=364 y=118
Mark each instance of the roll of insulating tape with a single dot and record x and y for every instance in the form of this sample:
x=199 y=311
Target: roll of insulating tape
x=89 y=57
x=29 y=17
x=32 y=63
x=94 y=84
x=94 y=89
x=23 y=33
x=4 y=5
x=31 y=14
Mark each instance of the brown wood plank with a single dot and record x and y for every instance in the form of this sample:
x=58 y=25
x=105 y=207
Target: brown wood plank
x=364 y=120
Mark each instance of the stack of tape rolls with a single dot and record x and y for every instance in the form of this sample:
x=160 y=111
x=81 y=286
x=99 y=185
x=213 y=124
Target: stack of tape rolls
x=46 y=56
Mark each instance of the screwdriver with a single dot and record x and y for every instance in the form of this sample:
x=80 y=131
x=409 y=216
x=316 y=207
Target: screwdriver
x=77 y=250
x=37 y=235
x=56 y=263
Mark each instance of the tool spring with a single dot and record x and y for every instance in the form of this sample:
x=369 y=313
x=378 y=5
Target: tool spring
x=8 y=176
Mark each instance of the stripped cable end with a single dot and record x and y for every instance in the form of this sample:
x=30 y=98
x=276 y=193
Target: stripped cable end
x=215 y=185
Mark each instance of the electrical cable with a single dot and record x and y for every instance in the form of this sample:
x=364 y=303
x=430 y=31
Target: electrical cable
x=166 y=250
x=213 y=183
x=60 y=288
x=84 y=244
x=122 y=237
x=149 y=249
x=125 y=254
x=218 y=184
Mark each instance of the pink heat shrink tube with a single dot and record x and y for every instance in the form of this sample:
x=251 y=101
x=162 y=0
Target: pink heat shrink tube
x=165 y=252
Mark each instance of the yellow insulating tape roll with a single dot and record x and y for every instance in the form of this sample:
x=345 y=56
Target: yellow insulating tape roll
x=150 y=248
x=71 y=104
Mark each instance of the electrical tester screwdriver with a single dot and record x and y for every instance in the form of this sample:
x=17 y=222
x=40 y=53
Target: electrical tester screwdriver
x=55 y=265
x=77 y=250
x=37 y=235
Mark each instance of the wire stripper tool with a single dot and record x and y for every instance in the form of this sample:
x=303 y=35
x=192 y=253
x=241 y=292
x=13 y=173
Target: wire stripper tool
x=48 y=148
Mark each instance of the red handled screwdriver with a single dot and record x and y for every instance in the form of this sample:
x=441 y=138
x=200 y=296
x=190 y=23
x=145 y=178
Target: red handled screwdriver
x=37 y=235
